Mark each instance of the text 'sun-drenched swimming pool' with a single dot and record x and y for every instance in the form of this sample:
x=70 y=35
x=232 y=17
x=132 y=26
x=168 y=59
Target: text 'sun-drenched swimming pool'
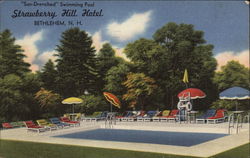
x=145 y=136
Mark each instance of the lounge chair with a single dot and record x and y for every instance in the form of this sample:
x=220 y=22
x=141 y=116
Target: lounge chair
x=104 y=115
x=32 y=127
x=94 y=117
x=128 y=115
x=203 y=118
x=218 y=117
x=132 y=116
x=79 y=116
x=122 y=115
x=17 y=124
x=66 y=115
x=173 y=115
x=149 y=116
x=67 y=120
x=164 y=115
x=157 y=116
x=57 y=122
x=74 y=116
x=46 y=124
x=101 y=116
x=7 y=125
x=141 y=115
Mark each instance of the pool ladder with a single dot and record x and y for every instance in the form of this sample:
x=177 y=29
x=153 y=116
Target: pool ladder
x=232 y=122
x=110 y=120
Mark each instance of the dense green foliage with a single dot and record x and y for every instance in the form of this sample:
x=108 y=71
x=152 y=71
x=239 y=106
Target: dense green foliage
x=11 y=149
x=139 y=89
x=10 y=96
x=92 y=103
x=173 y=49
x=50 y=103
x=232 y=74
x=231 y=104
x=151 y=79
x=17 y=97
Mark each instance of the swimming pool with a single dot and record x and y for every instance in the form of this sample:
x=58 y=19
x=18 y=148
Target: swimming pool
x=145 y=136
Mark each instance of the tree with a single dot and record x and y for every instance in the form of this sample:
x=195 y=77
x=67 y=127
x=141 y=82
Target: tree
x=17 y=97
x=139 y=89
x=147 y=57
x=76 y=63
x=49 y=75
x=185 y=48
x=173 y=49
x=11 y=57
x=50 y=102
x=11 y=97
x=31 y=83
x=231 y=104
x=232 y=74
x=114 y=79
x=106 y=60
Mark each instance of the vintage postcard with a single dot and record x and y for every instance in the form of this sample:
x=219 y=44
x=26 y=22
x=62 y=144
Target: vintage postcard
x=124 y=79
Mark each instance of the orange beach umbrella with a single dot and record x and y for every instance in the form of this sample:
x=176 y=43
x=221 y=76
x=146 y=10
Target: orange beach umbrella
x=112 y=99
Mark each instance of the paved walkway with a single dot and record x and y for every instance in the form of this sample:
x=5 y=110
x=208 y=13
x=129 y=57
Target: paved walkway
x=206 y=149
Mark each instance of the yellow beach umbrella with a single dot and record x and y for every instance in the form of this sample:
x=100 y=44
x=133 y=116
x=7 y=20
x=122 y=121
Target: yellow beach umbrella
x=72 y=100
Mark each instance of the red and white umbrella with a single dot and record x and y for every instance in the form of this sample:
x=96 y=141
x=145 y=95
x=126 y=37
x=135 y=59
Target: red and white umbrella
x=193 y=93
x=112 y=99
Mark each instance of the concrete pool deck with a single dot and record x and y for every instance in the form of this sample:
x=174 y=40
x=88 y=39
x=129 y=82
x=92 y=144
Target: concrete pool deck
x=205 y=149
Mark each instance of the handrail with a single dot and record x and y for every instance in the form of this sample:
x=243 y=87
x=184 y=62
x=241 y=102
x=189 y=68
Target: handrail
x=230 y=120
x=110 y=120
x=238 y=123
x=247 y=118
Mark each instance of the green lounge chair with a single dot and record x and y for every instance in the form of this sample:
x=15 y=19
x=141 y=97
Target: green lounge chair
x=17 y=124
x=93 y=117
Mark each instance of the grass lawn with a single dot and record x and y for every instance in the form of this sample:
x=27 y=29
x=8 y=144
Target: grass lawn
x=239 y=152
x=18 y=149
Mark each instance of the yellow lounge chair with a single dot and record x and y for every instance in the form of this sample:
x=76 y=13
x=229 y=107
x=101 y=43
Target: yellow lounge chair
x=164 y=116
x=46 y=124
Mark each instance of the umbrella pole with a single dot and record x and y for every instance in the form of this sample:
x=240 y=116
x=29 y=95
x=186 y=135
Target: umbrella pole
x=236 y=105
x=73 y=108
x=110 y=107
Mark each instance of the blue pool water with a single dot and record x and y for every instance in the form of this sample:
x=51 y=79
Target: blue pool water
x=143 y=136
